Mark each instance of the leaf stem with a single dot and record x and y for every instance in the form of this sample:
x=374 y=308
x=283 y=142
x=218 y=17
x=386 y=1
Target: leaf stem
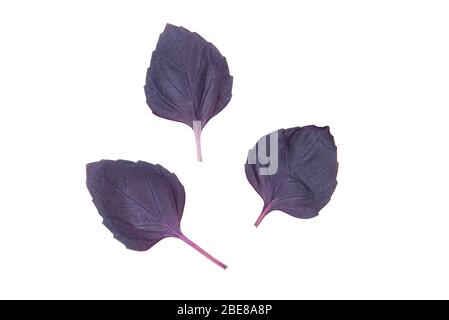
x=263 y=214
x=202 y=251
x=197 y=130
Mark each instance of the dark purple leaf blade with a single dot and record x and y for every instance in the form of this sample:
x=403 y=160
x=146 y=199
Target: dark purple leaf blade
x=140 y=203
x=188 y=80
x=306 y=172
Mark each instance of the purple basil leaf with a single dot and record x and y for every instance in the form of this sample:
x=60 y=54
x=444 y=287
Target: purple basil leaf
x=140 y=203
x=188 y=80
x=304 y=175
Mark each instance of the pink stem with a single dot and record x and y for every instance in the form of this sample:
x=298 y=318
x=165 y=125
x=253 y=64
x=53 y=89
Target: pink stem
x=203 y=252
x=197 y=131
x=263 y=214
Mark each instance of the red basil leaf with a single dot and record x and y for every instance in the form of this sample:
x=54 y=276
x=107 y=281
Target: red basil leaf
x=140 y=203
x=188 y=80
x=304 y=175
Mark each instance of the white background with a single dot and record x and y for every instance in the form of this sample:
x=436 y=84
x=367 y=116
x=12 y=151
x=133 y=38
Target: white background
x=71 y=92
